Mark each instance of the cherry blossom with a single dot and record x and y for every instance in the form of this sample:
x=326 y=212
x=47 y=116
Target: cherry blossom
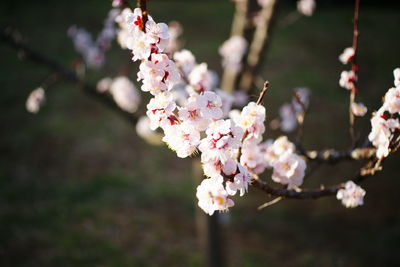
x=396 y=74
x=185 y=61
x=104 y=85
x=182 y=138
x=351 y=195
x=306 y=7
x=158 y=74
x=35 y=100
x=223 y=137
x=210 y=104
x=125 y=94
x=240 y=182
x=212 y=196
x=143 y=130
x=232 y=52
x=289 y=169
x=175 y=29
x=251 y=119
x=191 y=113
x=347 y=55
x=347 y=79
x=392 y=100
x=160 y=111
x=358 y=109
x=253 y=158
x=140 y=45
x=381 y=132
x=288 y=119
x=202 y=79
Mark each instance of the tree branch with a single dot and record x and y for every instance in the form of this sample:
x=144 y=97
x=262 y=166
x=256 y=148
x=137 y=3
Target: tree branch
x=257 y=45
x=10 y=39
x=354 y=68
x=368 y=170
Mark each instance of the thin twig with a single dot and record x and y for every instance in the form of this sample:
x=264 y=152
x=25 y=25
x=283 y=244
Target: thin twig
x=270 y=203
x=262 y=94
x=372 y=167
x=354 y=68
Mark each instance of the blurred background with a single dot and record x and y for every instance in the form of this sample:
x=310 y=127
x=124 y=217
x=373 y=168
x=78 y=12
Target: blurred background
x=78 y=187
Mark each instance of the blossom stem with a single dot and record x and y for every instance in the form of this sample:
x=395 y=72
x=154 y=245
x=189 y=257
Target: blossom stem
x=354 y=68
x=262 y=94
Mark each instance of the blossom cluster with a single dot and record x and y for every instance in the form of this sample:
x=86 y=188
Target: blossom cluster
x=288 y=167
x=349 y=78
x=193 y=116
x=385 y=122
x=93 y=51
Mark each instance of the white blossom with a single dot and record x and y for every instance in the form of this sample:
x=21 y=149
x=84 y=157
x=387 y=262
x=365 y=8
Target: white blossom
x=289 y=169
x=396 y=74
x=351 y=195
x=347 y=55
x=347 y=79
x=158 y=74
x=226 y=100
x=104 y=85
x=240 y=182
x=381 y=132
x=210 y=105
x=35 y=100
x=143 y=130
x=232 y=52
x=392 y=100
x=160 y=111
x=125 y=94
x=182 y=138
x=306 y=7
x=214 y=168
x=358 y=109
x=191 y=113
x=140 y=45
x=223 y=137
x=253 y=157
x=212 y=196
x=185 y=61
x=252 y=119
x=175 y=29
x=202 y=79
x=288 y=118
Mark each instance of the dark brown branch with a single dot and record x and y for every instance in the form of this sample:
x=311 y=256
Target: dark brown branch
x=142 y=4
x=27 y=53
x=368 y=170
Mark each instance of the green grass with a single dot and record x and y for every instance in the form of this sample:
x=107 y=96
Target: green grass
x=79 y=188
